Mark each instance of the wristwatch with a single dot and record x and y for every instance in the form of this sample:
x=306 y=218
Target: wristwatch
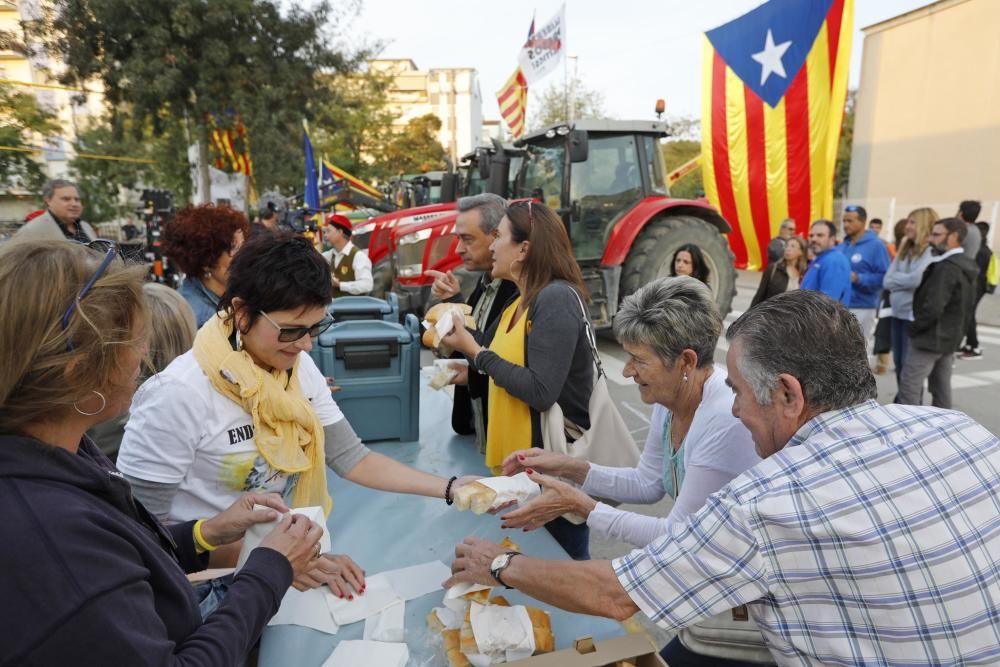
x=500 y=564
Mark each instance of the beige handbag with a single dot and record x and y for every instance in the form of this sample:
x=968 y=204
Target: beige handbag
x=608 y=441
x=731 y=634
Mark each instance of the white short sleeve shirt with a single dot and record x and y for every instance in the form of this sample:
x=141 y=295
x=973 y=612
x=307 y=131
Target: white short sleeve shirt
x=182 y=431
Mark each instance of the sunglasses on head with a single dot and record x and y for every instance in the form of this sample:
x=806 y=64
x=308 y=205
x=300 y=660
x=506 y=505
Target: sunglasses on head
x=292 y=334
x=110 y=250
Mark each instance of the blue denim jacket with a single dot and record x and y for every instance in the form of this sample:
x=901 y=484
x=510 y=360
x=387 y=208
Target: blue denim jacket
x=203 y=301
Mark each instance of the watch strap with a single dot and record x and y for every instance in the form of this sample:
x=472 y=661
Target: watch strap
x=498 y=571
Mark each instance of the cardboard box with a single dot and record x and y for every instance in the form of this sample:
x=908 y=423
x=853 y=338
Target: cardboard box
x=632 y=649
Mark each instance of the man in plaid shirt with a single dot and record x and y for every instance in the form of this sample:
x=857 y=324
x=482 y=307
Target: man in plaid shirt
x=870 y=535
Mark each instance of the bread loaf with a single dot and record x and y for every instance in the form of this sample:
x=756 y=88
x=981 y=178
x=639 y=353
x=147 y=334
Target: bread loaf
x=541 y=624
x=475 y=496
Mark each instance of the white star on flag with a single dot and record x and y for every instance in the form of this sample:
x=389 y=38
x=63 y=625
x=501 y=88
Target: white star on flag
x=770 y=58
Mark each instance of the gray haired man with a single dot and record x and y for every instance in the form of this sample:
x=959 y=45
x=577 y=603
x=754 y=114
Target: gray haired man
x=868 y=535
x=475 y=227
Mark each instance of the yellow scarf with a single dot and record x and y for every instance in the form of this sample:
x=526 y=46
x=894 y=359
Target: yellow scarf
x=287 y=431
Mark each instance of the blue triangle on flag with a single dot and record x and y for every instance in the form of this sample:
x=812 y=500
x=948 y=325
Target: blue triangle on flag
x=768 y=46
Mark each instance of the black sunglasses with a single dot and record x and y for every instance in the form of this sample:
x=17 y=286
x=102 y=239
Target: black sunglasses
x=292 y=334
x=111 y=250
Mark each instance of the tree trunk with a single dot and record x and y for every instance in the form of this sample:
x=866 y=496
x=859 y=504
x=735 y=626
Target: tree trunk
x=204 y=176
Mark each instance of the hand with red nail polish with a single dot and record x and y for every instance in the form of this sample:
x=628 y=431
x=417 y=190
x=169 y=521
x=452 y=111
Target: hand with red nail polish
x=548 y=463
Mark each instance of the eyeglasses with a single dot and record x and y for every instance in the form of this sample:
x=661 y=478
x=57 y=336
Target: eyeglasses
x=111 y=250
x=292 y=334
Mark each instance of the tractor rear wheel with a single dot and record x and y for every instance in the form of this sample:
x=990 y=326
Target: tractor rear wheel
x=654 y=249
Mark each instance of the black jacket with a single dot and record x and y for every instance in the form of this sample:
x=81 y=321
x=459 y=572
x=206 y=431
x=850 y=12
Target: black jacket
x=942 y=304
x=90 y=577
x=773 y=282
x=478 y=387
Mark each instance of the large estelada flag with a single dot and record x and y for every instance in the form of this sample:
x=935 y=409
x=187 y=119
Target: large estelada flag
x=513 y=101
x=773 y=94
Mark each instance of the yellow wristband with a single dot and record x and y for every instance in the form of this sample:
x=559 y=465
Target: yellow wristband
x=200 y=539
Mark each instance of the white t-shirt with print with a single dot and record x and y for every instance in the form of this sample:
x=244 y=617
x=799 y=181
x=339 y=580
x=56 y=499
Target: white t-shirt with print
x=181 y=430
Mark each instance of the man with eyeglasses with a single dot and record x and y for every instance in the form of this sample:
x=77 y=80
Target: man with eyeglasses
x=941 y=307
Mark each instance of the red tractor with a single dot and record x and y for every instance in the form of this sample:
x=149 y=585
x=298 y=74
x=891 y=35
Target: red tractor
x=374 y=234
x=606 y=179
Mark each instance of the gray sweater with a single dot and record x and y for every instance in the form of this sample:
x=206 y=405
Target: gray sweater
x=559 y=364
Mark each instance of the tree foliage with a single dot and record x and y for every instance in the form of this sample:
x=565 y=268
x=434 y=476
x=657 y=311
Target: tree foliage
x=166 y=63
x=550 y=106
x=107 y=187
x=842 y=170
x=675 y=153
x=413 y=150
x=357 y=127
x=22 y=121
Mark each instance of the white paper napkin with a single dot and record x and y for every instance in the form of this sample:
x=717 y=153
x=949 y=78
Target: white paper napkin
x=450 y=618
x=306 y=608
x=378 y=595
x=520 y=488
x=352 y=653
x=453 y=596
x=387 y=625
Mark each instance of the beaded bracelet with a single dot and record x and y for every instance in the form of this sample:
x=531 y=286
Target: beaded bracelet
x=447 y=491
x=200 y=539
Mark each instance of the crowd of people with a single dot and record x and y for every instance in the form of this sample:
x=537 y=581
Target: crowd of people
x=916 y=297
x=848 y=531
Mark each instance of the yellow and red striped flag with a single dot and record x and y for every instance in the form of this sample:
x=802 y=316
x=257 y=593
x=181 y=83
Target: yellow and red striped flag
x=513 y=101
x=773 y=93
x=232 y=143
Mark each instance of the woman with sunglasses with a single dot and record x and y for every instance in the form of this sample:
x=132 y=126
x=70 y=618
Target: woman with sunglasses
x=89 y=576
x=537 y=353
x=248 y=410
x=202 y=240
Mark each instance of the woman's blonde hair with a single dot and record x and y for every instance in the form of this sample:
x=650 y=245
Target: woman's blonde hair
x=924 y=219
x=171 y=325
x=44 y=369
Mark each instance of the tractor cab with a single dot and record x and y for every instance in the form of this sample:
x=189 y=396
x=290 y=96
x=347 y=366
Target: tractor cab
x=592 y=174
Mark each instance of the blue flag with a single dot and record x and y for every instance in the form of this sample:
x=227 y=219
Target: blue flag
x=312 y=182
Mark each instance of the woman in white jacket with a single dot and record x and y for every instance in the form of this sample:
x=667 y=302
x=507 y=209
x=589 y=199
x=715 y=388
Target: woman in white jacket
x=903 y=278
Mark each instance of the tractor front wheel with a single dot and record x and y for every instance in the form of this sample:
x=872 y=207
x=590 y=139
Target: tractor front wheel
x=654 y=248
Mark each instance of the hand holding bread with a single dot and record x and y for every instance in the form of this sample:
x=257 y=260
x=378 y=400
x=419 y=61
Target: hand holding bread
x=557 y=498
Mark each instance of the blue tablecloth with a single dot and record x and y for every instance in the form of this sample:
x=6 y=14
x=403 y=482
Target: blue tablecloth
x=385 y=531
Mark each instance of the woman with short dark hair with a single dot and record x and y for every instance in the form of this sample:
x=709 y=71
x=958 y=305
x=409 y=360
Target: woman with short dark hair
x=89 y=575
x=537 y=353
x=247 y=409
x=202 y=240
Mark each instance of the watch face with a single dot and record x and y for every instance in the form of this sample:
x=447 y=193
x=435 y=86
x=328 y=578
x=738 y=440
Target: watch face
x=500 y=561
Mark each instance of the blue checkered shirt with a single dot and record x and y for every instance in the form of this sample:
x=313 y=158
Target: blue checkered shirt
x=872 y=538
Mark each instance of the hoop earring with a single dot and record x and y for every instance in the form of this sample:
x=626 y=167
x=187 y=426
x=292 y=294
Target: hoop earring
x=104 y=404
x=510 y=269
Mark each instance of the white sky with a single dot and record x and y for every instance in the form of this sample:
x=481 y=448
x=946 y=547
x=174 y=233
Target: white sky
x=632 y=51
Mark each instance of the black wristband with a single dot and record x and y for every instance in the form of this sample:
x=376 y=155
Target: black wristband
x=447 y=491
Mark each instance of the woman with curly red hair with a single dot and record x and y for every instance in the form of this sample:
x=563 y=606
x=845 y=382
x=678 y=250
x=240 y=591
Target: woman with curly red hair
x=202 y=240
